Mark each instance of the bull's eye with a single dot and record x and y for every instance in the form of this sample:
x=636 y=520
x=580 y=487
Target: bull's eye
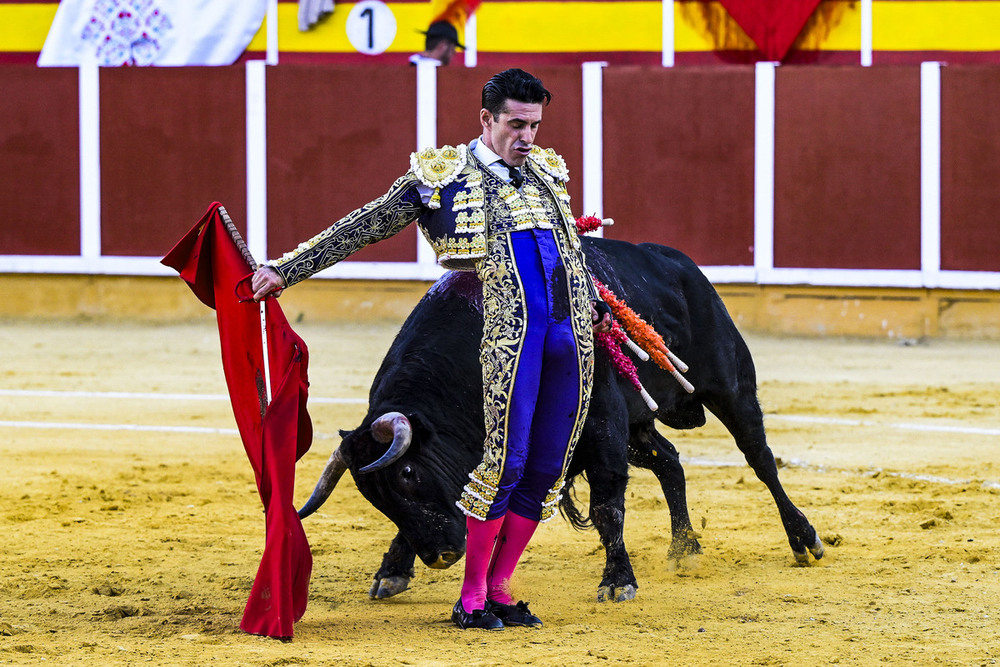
x=406 y=473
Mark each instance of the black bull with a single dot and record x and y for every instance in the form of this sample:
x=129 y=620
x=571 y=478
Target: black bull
x=426 y=400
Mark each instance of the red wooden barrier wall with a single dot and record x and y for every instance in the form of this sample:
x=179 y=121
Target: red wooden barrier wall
x=172 y=141
x=336 y=139
x=39 y=162
x=970 y=169
x=847 y=168
x=678 y=157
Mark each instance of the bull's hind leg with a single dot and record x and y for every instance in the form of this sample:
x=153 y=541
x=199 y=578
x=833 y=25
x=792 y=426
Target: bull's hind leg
x=648 y=449
x=743 y=418
x=393 y=576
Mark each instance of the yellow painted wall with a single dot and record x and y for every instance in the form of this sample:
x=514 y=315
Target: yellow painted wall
x=581 y=26
x=928 y=26
x=568 y=27
x=23 y=27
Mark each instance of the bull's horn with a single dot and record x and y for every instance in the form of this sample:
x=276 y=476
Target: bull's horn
x=332 y=473
x=391 y=427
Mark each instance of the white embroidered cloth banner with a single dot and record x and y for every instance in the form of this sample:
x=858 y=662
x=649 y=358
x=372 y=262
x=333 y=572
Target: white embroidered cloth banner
x=151 y=32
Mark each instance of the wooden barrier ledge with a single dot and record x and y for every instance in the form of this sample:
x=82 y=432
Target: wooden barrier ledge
x=893 y=313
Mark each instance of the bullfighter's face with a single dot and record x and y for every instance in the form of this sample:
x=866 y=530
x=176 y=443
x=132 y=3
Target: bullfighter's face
x=512 y=134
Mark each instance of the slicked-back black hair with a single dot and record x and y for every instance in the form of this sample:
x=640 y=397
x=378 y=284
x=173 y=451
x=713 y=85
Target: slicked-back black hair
x=513 y=84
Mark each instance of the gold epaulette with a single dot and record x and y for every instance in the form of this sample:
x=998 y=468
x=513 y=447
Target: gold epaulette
x=437 y=167
x=550 y=162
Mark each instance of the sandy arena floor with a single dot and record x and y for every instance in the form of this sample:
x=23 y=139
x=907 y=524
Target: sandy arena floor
x=129 y=540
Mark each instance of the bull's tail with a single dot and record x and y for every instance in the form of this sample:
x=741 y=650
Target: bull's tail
x=570 y=510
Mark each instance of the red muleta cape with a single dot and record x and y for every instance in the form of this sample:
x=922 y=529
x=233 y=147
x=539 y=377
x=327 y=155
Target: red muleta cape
x=276 y=434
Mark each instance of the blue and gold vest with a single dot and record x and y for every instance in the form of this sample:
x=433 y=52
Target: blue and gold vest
x=470 y=203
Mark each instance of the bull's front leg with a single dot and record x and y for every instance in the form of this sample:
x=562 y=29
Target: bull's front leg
x=393 y=577
x=603 y=453
x=607 y=511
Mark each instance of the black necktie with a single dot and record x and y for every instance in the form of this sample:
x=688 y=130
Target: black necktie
x=516 y=177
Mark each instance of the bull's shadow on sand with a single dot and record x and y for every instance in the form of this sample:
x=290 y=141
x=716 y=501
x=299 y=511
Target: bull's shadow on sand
x=423 y=433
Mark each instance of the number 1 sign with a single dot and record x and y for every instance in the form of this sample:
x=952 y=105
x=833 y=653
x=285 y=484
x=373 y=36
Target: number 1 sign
x=371 y=27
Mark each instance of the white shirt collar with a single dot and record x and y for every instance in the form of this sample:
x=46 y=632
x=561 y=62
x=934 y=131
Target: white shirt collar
x=492 y=161
x=483 y=152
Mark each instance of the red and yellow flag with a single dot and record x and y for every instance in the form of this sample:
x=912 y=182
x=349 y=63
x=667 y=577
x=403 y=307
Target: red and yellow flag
x=455 y=12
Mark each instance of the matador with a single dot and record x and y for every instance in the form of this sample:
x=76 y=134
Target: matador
x=497 y=206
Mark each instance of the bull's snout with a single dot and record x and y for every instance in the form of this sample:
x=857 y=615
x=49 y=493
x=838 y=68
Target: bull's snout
x=445 y=560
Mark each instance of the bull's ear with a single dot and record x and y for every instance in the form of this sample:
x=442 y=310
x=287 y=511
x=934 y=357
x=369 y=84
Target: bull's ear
x=423 y=429
x=344 y=433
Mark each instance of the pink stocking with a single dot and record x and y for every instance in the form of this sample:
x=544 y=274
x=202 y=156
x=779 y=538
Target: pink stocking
x=478 y=547
x=512 y=540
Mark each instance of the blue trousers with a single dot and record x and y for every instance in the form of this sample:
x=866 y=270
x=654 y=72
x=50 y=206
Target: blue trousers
x=545 y=400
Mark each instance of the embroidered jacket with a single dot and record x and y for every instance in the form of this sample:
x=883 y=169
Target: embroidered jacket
x=468 y=220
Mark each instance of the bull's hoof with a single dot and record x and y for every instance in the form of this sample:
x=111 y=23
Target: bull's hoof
x=386 y=587
x=681 y=548
x=616 y=593
x=817 y=548
x=802 y=557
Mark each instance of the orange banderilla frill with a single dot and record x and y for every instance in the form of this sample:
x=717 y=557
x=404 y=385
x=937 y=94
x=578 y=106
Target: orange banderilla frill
x=647 y=342
x=645 y=336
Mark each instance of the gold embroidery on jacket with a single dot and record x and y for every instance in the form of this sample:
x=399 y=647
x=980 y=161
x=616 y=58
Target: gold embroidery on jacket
x=373 y=222
x=437 y=167
x=503 y=336
x=503 y=331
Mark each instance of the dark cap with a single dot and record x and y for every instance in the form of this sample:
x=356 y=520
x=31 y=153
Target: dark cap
x=443 y=30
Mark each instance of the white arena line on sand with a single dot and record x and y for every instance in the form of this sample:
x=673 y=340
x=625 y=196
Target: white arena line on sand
x=872 y=472
x=200 y=430
x=152 y=396
x=121 y=427
x=804 y=419
x=704 y=463
x=696 y=462
x=931 y=428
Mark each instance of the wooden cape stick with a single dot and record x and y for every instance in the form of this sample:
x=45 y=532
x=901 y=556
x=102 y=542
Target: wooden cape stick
x=245 y=251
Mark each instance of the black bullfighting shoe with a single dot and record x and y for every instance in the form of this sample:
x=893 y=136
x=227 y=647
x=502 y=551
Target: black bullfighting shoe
x=482 y=619
x=514 y=614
